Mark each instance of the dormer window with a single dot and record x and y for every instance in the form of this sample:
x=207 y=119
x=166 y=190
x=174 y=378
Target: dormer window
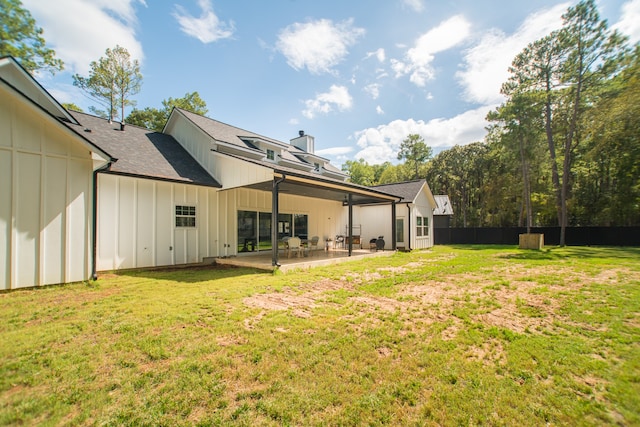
x=271 y=155
x=250 y=144
x=316 y=167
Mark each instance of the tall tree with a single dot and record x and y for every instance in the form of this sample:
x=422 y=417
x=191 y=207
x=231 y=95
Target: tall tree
x=22 y=39
x=517 y=129
x=415 y=151
x=535 y=73
x=155 y=119
x=565 y=70
x=112 y=81
x=593 y=54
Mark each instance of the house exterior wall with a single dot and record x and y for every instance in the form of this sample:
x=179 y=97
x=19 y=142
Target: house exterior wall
x=369 y=222
x=193 y=139
x=137 y=227
x=421 y=207
x=232 y=172
x=45 y=199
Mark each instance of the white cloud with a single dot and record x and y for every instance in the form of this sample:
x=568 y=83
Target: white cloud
x=207 y=27
x=381 y=73
x=317 y=45
x=382 y=143
x=629 y=23
x=379 y=54
x=487 y=63
x=83 y=36
x=334 y=151
x=379 y=110
x=418 y=59
x=416 y=5
x=338 y=98
x=373 y=90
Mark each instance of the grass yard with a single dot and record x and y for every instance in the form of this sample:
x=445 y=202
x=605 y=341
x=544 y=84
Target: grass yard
x=462 y=335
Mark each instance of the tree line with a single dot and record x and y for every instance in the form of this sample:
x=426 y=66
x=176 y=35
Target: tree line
x=564 y=147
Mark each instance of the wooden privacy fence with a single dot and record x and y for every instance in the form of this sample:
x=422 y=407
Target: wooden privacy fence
x=575 y=236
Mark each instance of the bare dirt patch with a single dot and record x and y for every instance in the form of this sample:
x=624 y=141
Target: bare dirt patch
x=489 y=353
x=518 y=299
x=379 y=303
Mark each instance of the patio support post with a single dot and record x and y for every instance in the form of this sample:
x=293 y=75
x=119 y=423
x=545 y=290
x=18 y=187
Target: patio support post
x=350 y=233
x=274 y=220
x=393 y=226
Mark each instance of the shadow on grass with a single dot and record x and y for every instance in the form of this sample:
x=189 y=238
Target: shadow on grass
x=191 y=274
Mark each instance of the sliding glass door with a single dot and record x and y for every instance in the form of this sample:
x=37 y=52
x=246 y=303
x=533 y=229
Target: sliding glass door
x=254 y=229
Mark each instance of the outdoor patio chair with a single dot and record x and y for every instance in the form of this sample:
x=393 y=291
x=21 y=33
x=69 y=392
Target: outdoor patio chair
x=295 y=245
x=313 y=244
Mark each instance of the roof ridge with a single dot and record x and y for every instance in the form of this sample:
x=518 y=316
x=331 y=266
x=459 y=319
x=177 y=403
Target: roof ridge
x=402 y=182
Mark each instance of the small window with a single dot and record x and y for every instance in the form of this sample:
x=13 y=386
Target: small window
x=185 y=216
x=316 y=167
x=422 y=226
x=271 y=155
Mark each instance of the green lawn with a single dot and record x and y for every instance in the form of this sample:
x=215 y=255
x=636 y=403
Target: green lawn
x=463 y=335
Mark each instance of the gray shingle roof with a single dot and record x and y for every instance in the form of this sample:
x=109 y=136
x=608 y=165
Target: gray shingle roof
x=408 y=190
x=142 y=152
x=233 y=135
x=226 y=133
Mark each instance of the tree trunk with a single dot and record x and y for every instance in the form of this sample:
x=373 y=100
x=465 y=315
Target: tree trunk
x=568 y=145
x=526 y=184
x=555 y=178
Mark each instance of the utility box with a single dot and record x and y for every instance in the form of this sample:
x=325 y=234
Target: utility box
x=531 y=241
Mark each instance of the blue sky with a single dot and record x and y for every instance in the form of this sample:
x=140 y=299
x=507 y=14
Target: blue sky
x=358 y=75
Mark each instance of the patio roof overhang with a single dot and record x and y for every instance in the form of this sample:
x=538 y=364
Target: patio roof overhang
x=294 y=184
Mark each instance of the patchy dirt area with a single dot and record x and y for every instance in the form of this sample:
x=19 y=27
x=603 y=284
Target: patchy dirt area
x=514 y=298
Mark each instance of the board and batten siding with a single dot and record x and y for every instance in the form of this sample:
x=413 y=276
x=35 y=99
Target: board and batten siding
x=371 y=222
x=421 y=207
x=45 y=199
x=136 y=223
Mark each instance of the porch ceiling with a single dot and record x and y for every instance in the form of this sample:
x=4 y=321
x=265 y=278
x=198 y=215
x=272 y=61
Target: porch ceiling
x=327 y=191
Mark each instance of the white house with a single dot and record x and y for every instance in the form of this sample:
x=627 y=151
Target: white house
x=79 y=194
x=413 y=216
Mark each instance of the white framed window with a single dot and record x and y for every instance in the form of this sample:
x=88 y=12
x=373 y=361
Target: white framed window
x=422 y=226
x=185 y=216
x=271 y=155
x=316 y=167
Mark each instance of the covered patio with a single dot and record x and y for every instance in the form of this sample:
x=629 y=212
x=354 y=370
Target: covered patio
x=293 y=182
x=316 y=258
